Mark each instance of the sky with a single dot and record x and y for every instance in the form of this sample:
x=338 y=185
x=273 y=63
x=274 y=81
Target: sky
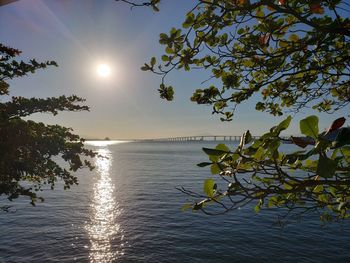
x=81 y=34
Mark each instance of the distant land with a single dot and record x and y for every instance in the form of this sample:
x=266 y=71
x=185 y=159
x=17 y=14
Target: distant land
x=96 y=139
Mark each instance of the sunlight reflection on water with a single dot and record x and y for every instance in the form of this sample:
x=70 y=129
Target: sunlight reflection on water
x=103 y=228
x=103 y=143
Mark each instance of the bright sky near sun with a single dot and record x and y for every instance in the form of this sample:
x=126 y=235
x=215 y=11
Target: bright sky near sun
x=100 y=46
x=103 y=70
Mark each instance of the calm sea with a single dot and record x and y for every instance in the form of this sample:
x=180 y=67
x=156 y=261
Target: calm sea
x=128 y=210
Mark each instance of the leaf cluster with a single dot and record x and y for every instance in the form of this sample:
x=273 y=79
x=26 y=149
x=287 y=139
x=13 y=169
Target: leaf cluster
x=313 y=179
x=29 y=150
x=289 y=54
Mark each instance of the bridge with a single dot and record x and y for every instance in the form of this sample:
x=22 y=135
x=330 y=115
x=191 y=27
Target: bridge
x=234 y=138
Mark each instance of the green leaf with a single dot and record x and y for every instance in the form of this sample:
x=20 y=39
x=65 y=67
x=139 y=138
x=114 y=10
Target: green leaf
x=169 y=50
x=323 y=198
x=345 y=151
x=311 y=164
x=283 y=43
x=222 y=147
x=185 y=207
x=248 y=63
x=272 y=201
x=288 y=185
x=215 y=152
x=333 y=191
x=309 y=126
x=283 y=125
x=208 y=187
x=273 y=145
x=318 y=189
x=163 y=36
x=145 y=67
x=153 y=61
x=257 y=208
x=326 y=167
x=259 y=154
x=165 y=58
x=240 y=31
x=215 y=169
x=294 y=37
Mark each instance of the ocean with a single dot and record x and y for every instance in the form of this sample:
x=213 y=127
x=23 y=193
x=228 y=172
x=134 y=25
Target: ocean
x=129 y=210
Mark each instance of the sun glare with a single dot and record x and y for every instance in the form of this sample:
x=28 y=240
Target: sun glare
x=103 y=70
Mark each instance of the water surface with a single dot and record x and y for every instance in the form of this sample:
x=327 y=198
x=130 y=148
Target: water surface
x=128 y=210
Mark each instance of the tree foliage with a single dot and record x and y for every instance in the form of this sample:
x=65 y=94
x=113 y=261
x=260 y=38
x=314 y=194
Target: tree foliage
x=308 y=179
x=30 y=151
x=287 y=55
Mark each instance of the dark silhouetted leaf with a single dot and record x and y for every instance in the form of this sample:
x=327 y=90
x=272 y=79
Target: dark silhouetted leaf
x=204 y=164
x=326 y=167
x=338 y=123
x=303 y=141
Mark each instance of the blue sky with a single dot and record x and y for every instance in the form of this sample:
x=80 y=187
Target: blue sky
x=80 y=34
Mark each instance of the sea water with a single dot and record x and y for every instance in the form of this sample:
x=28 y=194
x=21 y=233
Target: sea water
x=129 y=210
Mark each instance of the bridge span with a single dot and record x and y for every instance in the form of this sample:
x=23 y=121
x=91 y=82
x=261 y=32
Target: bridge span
x=235 y=138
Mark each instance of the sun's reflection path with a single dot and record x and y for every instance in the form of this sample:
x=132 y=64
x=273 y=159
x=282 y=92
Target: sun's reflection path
x=103 y=229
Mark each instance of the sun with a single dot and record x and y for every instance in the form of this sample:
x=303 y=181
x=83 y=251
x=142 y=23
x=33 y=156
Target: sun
x=103 y=70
